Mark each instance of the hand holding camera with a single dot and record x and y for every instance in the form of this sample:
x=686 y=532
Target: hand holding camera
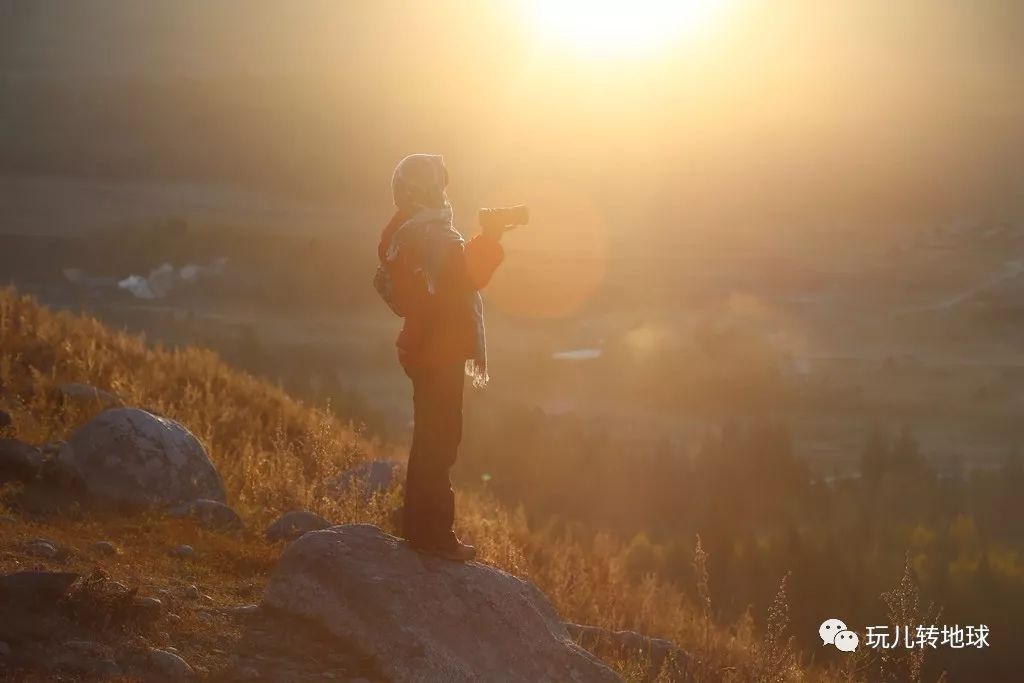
x=495 y=222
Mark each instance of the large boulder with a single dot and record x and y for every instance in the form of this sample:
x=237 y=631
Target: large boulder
x=422 y=618
x=127 y=457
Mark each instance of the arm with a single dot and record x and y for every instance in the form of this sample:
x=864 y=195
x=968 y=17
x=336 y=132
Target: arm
x=482 y=256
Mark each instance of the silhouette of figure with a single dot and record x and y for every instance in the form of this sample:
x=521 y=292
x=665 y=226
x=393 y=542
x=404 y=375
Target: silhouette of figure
x=431 y=276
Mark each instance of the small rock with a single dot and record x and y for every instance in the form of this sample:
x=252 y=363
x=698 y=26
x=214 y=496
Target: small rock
x=19 y=461
x=183 y=551
x=5 y=649
x=5 y=419
x=168 y=667
x=7 y=519
x=104 y=548
x=369 y=477
x=107 y=669
x=174 y=619
x=291 y=525
x=116 y=587
x=148 y=609
x=40 y=547
x=51 y=449
x=211 y=514
x=243 y=611
x=192 y=593
x=172 y=649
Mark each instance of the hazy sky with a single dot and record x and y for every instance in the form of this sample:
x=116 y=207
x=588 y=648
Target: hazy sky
x=777 y=113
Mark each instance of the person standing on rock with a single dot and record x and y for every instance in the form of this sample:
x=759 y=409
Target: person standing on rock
x=430 y=275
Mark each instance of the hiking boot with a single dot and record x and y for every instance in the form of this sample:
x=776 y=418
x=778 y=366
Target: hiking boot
x=454 y=550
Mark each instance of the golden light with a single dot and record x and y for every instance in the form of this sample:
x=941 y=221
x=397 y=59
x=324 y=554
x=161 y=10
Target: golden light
x=609 y=28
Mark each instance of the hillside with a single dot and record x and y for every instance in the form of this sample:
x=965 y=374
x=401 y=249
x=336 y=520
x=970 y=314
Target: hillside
x=275 y=454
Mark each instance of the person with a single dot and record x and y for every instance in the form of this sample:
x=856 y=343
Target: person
x=434 y=278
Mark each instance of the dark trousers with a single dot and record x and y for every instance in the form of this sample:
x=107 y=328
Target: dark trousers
x=437 y=430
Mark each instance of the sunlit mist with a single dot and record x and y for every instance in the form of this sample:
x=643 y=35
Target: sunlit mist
x=611 y=29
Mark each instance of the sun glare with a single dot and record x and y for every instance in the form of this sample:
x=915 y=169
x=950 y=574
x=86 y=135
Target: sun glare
x=608 y=28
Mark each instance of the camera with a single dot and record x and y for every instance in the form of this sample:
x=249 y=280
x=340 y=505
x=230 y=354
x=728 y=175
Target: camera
x=499 y=218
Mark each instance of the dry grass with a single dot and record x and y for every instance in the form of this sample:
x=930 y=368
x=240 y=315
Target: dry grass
x=275 y=453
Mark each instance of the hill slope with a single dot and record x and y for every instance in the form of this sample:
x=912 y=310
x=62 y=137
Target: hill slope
x=275 y=454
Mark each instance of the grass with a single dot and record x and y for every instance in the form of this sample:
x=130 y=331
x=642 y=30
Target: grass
x=274 y=454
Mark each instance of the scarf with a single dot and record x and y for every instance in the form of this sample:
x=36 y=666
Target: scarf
x=418 y=186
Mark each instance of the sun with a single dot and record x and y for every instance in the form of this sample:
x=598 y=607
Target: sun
x=609 y=28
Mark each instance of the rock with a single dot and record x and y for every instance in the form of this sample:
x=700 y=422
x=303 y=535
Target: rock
x=183 y=551
x=167 y=667
x=87 y=397
x=19 y=461
x=5 y=419
x=148 y=609
x=370 y=476
x=192 y=593
x=656 y=650
x=104 y=548
x=40 y=547
x=210 y=514
x=85 y=657
x=5 y=650
x=421 y=618
x=35 y=587
x=291 y=525
x=243 y=611
x=126 y=457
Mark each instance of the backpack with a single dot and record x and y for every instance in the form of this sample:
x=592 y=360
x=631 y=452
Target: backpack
x=400 y=284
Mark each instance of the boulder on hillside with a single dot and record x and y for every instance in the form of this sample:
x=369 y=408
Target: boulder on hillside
x=126 y=457
x=370 y=477
x=422 y=618
x=294 y=524
x=211 y=514
x=19 y=461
